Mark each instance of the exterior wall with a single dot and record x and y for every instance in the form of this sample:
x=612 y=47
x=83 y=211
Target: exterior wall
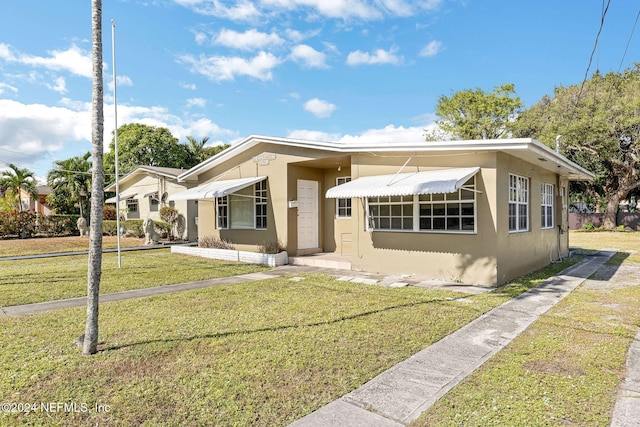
x=338 y=232
x=283 y=166
x=520 y=253
x=469 y=258
x=148 y=183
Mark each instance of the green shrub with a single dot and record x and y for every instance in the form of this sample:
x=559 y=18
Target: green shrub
x=109 y=228
x=215 y=243
x=109 y=213
x=589 y=226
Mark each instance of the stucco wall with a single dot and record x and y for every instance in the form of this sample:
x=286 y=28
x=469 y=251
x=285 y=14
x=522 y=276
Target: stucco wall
x=522 y=252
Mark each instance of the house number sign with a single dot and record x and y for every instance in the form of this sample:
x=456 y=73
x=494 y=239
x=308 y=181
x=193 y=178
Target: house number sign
x=264 y=159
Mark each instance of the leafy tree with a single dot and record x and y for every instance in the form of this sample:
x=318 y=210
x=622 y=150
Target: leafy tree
x=140 y=144
x=70 y=182
x=15 y=179
x=94 y=269
x=475 y=114
x=599 y=124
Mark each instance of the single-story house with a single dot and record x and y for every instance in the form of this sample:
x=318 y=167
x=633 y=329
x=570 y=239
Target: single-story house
x=480 y=212
x=37 y=204
x=146 y=189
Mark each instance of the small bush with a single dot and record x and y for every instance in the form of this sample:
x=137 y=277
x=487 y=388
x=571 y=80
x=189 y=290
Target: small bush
x=271 y=247
x=621 y=228
x=109 y=213
x=589 y=226
x=215 y=243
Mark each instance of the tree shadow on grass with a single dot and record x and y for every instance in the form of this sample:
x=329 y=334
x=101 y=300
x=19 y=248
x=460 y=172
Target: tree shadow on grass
x=283 y=327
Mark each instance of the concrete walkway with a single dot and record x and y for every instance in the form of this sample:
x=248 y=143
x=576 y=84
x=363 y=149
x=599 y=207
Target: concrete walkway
x=401 y=394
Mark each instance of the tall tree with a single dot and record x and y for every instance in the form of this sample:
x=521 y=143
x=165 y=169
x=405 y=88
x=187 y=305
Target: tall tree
x=476 y=114
x=94 y=270
x=197 y=152
x=143 y=145
x=15 y=179
x=70 y=182
x=599 y=124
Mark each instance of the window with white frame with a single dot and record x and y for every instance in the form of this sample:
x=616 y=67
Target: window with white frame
x=222 y=207
x=244 y=209
x=343 y=206
x=132 y=205
x=452 y=212
x=518 y=203
x=261 y=204
x=547 y=205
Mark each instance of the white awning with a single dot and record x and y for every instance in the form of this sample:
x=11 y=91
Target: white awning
x=147 y=194
x=216 y=189
x=123 y=196
x=404 y=184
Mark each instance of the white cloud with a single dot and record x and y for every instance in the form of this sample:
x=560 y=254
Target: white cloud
x=60 y=85
x=189 y=86
x=200 y=38
x=313 y=135
x=120 y=81
x=221 y=68
x=196 y=102
x=249 y=40
x=4 y=87
x=390 y=133
x=342 y=9
x=319 y=108
x=308 y=57
x=380 y=56
x=73 y=60
x=243 y=10
x=432 y=49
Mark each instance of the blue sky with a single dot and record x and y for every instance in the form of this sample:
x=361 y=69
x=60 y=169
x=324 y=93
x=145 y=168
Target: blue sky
x=335 y=70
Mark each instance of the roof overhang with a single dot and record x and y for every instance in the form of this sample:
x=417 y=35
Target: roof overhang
x=404 y=184
x=169 y=173
x=526 y=149
x=216 y=189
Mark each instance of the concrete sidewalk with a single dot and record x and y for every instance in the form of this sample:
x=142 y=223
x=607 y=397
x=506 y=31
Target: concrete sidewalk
x=401 y=394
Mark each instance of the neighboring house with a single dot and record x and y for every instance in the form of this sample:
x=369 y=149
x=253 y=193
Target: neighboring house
x=39 y=204
x=480 y=212
x=146 y=189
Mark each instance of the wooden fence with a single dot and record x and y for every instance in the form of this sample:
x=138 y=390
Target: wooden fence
x=631 y=220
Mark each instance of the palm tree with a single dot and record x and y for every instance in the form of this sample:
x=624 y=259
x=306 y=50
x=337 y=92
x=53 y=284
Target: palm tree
x=73 y=178
x=196 y=150
x=94 y=270
x=15 y=179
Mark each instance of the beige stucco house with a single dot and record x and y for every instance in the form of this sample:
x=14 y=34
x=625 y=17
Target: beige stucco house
x=480 y=212
x=37 y=204
x=146 y=189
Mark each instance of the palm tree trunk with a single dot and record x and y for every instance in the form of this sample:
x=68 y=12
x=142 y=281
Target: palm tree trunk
x=94 y=269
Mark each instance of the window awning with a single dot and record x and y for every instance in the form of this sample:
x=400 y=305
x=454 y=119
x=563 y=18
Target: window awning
x=123 y=196
x=216 y=189
x=147 y=194
x=404 y=184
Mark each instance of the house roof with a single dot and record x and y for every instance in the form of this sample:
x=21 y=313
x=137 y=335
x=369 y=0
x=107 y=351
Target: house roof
x=171 y=173
x=404 y=184
x=527 y=149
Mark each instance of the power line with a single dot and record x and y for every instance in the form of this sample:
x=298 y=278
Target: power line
x=629 y=41
x=595 y=46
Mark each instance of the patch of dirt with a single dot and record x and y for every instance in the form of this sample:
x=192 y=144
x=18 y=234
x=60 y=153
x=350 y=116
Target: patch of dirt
x=554 y=367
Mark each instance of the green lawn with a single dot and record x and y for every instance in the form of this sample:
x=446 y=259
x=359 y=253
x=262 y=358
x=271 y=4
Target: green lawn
x=37 y=280
x=259 y=353
x=565 y=368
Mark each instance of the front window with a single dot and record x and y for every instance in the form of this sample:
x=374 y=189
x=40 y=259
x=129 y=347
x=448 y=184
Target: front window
x=343 y=206
x=451 y=212
x=154 y=203
x=547 y=205
x=244 y=209
x=518 y=203
x=132 y=205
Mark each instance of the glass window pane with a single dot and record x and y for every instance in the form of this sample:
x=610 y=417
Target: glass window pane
x=384 y=223
x=407 y=224
x=453 y=196
x=466 y=208
x=425 y=223
x=453 y=209
x=453 y=223
x=468 y=224
x=385 y=210
x=438 y=209
x=396 y=210
x=466 y=195
x=438 y=197
x=438 y=223
x=425 y=210
x=396 y=223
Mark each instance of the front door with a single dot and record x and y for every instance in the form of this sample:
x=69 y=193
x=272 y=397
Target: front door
x=307 y=214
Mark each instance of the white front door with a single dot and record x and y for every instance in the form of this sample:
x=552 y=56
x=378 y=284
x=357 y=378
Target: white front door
x=307 y=214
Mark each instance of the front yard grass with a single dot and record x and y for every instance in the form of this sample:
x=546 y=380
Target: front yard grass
x=36 y=280
x=566 y=367
x=49 y=245
x=263 y=353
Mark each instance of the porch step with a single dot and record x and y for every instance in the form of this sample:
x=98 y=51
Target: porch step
x=322 y=260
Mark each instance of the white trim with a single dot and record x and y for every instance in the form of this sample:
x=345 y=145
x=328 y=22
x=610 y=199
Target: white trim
x=216 y=189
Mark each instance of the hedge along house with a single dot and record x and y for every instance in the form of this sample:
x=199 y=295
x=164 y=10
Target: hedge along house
x=146 y=189
x=480 y=212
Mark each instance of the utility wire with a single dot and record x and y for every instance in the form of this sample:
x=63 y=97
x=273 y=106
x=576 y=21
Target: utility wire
x=629 y=41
